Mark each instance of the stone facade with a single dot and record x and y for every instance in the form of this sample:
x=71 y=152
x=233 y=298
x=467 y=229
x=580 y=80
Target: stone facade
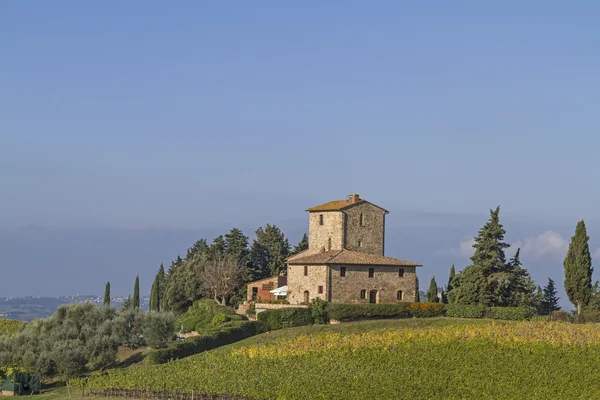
x=332 y=231
x=317 y=276
x=386 y=281
x=367 y=236
x=345 y=260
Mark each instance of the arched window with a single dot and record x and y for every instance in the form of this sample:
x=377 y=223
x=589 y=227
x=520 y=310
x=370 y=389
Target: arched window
x=363 y=294
x=306 y=297
x=399 y=295
x=329 y=244
x=362 y=220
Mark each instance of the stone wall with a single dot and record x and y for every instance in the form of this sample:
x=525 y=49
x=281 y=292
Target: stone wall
x=319 y=235
x=386 y=281
x=298 y=283
x=371 y=234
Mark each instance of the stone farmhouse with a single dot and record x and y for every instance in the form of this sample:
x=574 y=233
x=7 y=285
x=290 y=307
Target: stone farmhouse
x=345 y=261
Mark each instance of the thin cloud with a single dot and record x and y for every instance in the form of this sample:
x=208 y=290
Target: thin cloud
x=548 y=245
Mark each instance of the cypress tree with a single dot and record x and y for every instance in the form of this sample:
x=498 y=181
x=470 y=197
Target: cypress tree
x=155 y=295
x=136 y=293
x=417 y=293
x=444 y=297
x=578 y=269
x=107 y=294
x=432 y=292
x=452 y=275
x=162 y=286
x=550 y=300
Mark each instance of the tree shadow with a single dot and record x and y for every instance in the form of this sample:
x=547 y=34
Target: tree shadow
x=135 y=358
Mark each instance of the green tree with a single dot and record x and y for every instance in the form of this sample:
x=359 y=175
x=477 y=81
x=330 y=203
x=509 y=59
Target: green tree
x=268 y=252
x=578 y=269
x=200 y=247
x=107 y=294
x=236 y=246
x=489 y=280
x=417 y=292
x=127 y=304
x=432 y=292
x=217 y=248
x=155 y=294
x=452 y=275
x=301 y=246
x=549 y=299
x=136 y=293
x=162 y=284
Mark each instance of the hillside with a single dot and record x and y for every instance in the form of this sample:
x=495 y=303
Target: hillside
x=402 y=359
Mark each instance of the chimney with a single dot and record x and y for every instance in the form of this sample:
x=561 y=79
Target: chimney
x=353 y=198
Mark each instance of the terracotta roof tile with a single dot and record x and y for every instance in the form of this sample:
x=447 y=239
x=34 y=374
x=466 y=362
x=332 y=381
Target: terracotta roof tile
x=350 y=257
x=334 y=205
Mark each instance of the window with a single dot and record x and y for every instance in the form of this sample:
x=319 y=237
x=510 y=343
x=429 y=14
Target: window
x=360 y=243
x=306 y=270
x=399 y=295
x=342 y=271
x=329 y=244
x=320 y=219
x=401 y=272
x=320 y=289
x=363 y=294
x=371 y=272
x=362 y=220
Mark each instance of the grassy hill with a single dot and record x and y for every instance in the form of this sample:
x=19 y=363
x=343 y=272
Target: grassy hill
x=400 y=359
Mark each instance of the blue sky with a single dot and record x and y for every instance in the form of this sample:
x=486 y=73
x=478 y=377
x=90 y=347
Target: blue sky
x=198 y=116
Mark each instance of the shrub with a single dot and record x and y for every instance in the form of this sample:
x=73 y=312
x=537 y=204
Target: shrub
x=356 y=312
x=200 y=315
x=511 y=313
x=318 y=312
x=198 y=344
x=219 y=319
x=426 y=310
x=159 y=329
x=286 y=317
x=559 y=315
x=589 y=316
x=465 y=310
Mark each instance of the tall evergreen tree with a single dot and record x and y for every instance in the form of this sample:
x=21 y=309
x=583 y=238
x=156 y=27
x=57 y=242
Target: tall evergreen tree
x=482 y=281
x=268 y=252
x=200 y=247
x=578 y=269
x=417 y=292
x=155 y=294
x=550 y=300
x=162 y=285
x=107 y=294
x=136 y=293
x=451 y=276
x=217 y=248
x=432 y=292
x=301 y=246
x=236 y=246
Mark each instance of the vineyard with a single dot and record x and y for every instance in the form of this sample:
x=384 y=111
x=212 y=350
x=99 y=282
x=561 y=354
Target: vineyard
x=534 y=360
x=10 y=326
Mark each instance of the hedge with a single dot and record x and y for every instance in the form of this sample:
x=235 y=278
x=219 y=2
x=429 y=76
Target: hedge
x=198 y=344
x=285 y=317
x=356 y=312
x=465 y=310
x=510 y=313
